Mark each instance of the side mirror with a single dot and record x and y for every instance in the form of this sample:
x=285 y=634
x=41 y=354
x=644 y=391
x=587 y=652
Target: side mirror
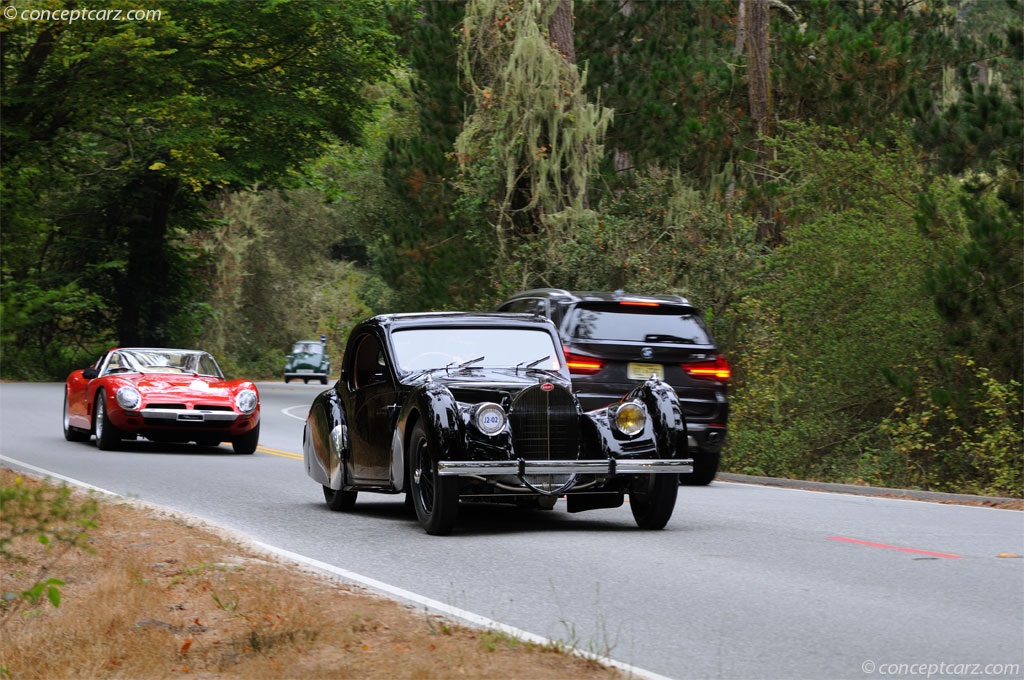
x=90 y=373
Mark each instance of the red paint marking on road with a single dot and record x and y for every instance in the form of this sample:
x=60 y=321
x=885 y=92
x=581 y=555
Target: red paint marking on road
x=872 y=544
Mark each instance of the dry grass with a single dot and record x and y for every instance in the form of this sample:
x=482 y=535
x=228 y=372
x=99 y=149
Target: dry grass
x=147 y=596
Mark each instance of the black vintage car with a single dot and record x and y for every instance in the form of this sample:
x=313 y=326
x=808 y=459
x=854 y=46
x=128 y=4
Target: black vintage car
x=459 y=407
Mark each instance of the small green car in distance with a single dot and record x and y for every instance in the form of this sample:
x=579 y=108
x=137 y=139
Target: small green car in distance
x=308 y=361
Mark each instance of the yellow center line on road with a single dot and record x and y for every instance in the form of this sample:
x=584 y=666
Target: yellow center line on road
x=279 y=453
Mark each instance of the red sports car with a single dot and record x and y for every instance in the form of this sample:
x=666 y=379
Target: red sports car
x=172 y=395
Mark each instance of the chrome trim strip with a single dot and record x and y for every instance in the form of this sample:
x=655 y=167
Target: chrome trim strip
x=610 y=466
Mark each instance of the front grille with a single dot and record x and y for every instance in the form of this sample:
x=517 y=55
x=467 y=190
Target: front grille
x=197 y=407
x=545 y=424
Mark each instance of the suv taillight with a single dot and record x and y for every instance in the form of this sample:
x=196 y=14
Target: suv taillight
x=711 y=369
x=582 y=365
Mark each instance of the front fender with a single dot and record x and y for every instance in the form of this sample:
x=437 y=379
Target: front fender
x=664 y=409
x=435 y=407
x=325 y=441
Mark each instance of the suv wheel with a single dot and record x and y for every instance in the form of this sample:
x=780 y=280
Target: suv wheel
x=705 y=467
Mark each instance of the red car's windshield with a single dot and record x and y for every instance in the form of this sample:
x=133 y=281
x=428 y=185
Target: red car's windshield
x=162 y=361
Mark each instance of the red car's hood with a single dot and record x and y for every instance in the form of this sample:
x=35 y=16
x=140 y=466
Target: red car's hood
x=186 y=389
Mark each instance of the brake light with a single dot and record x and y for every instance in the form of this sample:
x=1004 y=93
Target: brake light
x=714 y=369
x=582 y=365
x=638 y=303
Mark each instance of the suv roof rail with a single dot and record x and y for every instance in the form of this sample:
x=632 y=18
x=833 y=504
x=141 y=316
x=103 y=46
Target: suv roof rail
x=590 y=295
x=544 y=291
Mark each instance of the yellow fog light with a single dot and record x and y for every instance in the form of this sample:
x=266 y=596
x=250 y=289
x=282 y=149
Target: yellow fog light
x=630 y=418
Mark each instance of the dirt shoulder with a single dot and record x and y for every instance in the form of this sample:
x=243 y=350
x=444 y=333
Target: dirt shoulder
x=150 y=595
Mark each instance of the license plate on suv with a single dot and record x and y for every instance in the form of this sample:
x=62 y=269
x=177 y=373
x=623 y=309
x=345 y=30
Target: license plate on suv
x=635 y=371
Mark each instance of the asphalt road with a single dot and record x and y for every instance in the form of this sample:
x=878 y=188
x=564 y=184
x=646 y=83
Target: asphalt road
x=745 y=582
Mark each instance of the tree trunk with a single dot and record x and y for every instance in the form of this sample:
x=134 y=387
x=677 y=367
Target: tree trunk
x=560 y=30
x=759 y=91
x=144 y=293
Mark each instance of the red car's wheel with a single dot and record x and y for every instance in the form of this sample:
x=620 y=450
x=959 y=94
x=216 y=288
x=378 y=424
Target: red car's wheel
x=246 y=444
x=108 y=437
x=72 y=434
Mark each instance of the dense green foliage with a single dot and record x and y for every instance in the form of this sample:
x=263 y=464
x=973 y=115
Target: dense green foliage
x=238 y=180
x=116 y=134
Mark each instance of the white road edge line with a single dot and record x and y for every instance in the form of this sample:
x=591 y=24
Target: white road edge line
x=290 y=415
x=474 y=620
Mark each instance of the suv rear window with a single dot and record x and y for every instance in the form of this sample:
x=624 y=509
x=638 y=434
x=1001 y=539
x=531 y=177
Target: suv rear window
x=638 y=324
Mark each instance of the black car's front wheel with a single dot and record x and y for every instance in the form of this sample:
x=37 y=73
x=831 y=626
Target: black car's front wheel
x=652 y=498
x=435 y=498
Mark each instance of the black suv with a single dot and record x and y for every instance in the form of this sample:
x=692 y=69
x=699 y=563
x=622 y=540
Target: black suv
x=614 y=340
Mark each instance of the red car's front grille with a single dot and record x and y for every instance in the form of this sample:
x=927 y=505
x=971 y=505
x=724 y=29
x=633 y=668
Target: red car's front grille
x=198 y=407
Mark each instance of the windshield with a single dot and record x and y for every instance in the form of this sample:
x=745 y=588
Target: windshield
x=307 y=348
x=420 y=349
x=639 y=324
x=163 y=361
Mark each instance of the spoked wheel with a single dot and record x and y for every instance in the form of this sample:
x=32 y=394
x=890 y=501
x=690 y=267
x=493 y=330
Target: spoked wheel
x=108 y=437
x=652 y=498
x=340 y=500
x=435 y=498
x=72 y=434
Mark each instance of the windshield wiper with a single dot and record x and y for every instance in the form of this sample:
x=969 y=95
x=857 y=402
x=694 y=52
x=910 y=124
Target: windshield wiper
x=464 y=364
x=532 y=363
x=666 y=338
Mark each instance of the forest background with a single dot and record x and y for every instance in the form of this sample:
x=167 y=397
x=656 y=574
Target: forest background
x=837 y=184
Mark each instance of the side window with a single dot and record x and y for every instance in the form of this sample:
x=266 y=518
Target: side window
x=116 y=364
x=368 y=363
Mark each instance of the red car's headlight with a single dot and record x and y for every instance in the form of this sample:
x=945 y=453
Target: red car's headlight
x=246 y=401
x=128 y=398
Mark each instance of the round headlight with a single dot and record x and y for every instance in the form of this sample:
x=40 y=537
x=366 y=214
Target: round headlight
x=246 y=401
x=630 y=418
x=489 y=419
x=128 y=398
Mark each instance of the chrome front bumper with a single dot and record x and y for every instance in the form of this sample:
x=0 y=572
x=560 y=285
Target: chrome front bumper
x=187 y=416
x=610 y=466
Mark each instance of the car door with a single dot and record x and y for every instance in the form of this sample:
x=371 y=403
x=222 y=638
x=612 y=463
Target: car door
x=371 y=410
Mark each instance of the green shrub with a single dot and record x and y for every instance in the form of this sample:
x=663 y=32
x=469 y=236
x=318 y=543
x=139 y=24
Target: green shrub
x=968 y=440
